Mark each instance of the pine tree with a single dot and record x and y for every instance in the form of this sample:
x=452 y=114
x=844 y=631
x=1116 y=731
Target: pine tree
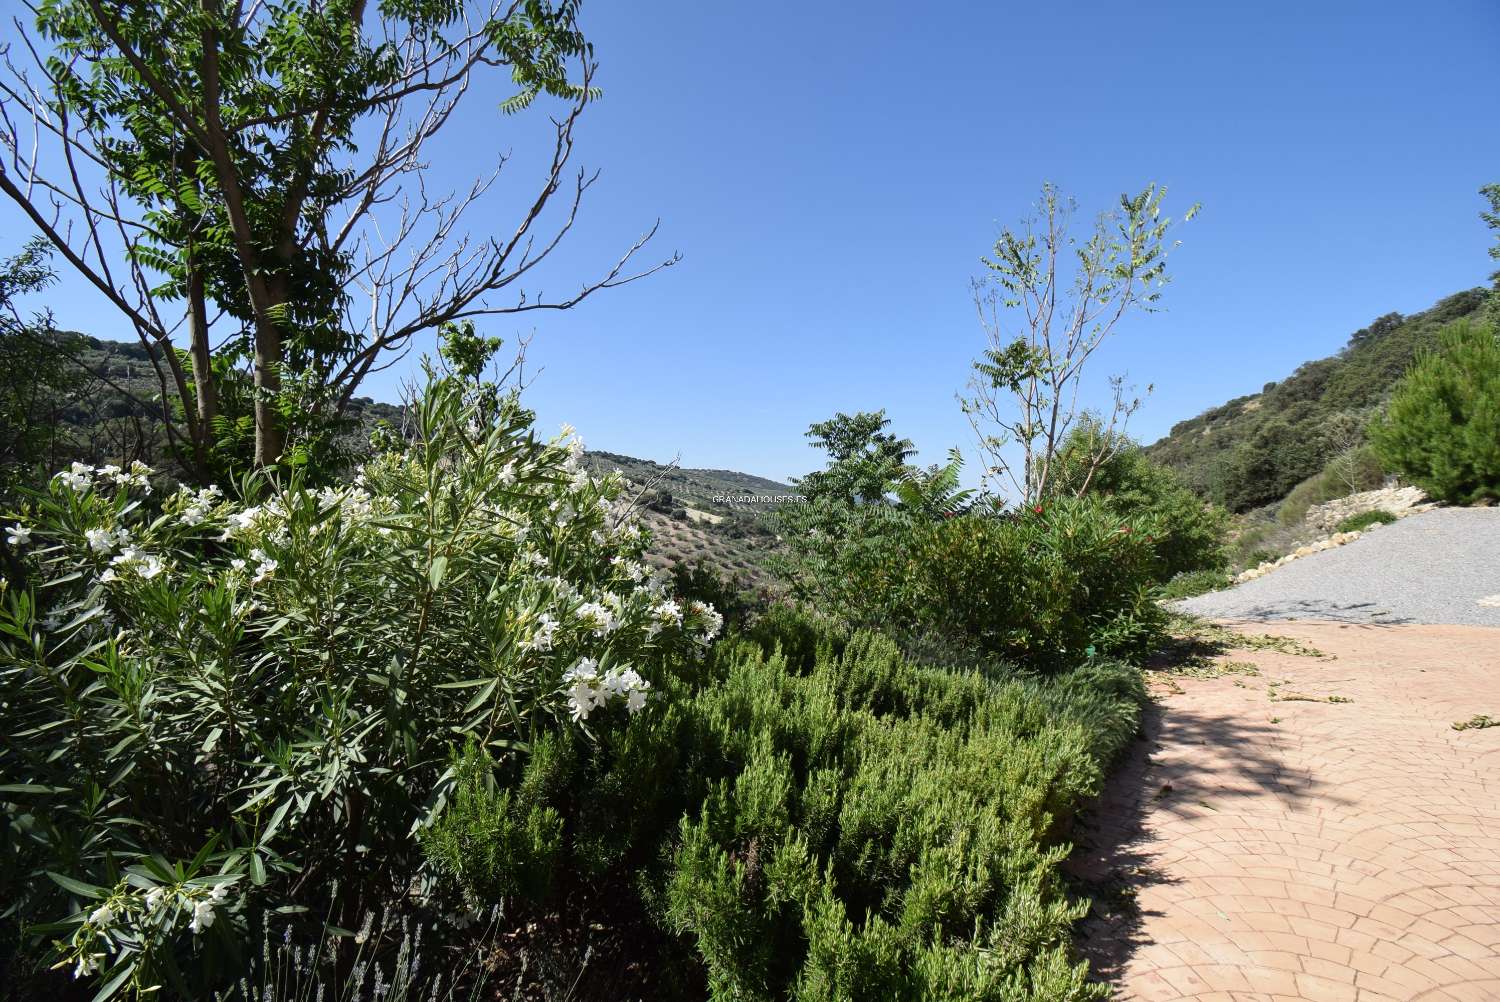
x=1441 y=429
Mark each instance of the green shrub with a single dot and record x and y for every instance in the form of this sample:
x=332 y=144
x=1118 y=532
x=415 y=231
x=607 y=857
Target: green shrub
x=1045 y=587
x=1441 y=430
x=1192 y=583
x=1190 y=532
x=211 y=708
x=1356 y=523
x=874 y=829
x=494 y=842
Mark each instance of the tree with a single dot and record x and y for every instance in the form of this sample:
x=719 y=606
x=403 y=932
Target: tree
x=863 y=458
x=34 y=381
x=1068 y=297
x=260 y=166
x=1441 y=430
x=1491 y=192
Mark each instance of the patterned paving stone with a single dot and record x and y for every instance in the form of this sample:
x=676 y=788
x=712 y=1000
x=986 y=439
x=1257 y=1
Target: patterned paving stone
x=1319 y=831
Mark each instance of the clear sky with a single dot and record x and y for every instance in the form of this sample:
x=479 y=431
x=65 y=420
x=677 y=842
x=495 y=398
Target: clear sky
x=832 y=173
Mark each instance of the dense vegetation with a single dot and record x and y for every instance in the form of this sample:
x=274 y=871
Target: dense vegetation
x=1442 y=428
x=384 y=683
x=1253 y=450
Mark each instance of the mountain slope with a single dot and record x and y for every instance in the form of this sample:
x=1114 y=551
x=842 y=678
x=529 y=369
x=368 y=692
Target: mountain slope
x=1253 y=450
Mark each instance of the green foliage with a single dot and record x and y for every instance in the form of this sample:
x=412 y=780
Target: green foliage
x=1190 y=533
x=863 y=458
x=1357 y=523
x=36 y=381
x=1441 y=430
x=1047 y=586
x=873 y=829
x=495 y=843
x=214 y=707
x=934 y=493
x=1253 y=450
x=1190 y=583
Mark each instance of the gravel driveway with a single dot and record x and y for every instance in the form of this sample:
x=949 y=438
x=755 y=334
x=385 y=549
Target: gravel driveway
x=1441 y=566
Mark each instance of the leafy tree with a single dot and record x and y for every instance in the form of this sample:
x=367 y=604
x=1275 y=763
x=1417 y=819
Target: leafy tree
x=841 y=545
x=934 y=492
x=1067 y=294
x=1442 y=428
x=863 y=458
x=34 y=378
x=252 y=169
x=1491 y=192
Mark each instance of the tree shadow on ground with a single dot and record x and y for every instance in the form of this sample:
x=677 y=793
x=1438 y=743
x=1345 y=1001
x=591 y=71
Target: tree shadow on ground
x=1360 y=613
x=1188 y=762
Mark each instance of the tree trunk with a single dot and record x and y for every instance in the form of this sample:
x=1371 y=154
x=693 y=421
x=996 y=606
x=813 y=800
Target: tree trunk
x=206 y=392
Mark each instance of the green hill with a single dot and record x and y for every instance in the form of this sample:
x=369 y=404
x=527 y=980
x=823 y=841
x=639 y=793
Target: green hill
x=1251 y=451
x=109 y=412
x=694 y=518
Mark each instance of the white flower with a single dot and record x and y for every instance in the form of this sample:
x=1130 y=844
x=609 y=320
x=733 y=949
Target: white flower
x=150 y=566
x=582 y=698
x=18 y=535
x=636 y=701
x=102 y=915
x=709 y=618
x=154 y=898
x=203 y=917
x=508 y=473
x=237 y=564
x=240 y=521
x=77 y=477
x=546 y=630
x=264 y=568
x=87 y=964
x=586 y=668
x=100 y=540
x=597 y=617
x=219 y=894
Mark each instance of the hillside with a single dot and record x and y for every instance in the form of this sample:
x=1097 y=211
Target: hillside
x=689 y=526
x=110 y=414
x=1251 y=451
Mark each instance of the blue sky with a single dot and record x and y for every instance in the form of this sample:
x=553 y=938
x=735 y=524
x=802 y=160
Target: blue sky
x=832 y=173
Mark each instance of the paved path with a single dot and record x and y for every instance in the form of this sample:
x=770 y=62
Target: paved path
x=1291 y=849
x=1441 y=566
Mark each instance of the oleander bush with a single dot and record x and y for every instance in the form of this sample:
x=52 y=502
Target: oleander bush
x=214 y=708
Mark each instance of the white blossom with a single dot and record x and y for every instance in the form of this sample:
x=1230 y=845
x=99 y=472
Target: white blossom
x=78 y=477
x=598 y=618
x=203 y=917
x=18 y=535
x=546 y=630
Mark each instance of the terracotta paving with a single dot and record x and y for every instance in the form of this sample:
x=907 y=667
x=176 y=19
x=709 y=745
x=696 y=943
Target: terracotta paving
x=1292 y=849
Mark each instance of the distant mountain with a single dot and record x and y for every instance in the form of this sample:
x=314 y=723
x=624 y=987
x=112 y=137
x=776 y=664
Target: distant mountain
x=1251 y=451
x=696 y=516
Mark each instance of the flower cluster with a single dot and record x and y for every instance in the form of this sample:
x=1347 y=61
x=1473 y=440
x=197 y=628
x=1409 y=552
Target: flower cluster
x=588 y=690
x=80 y=477
x=128 y=920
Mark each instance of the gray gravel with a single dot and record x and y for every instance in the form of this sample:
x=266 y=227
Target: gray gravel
x=1429 y=568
